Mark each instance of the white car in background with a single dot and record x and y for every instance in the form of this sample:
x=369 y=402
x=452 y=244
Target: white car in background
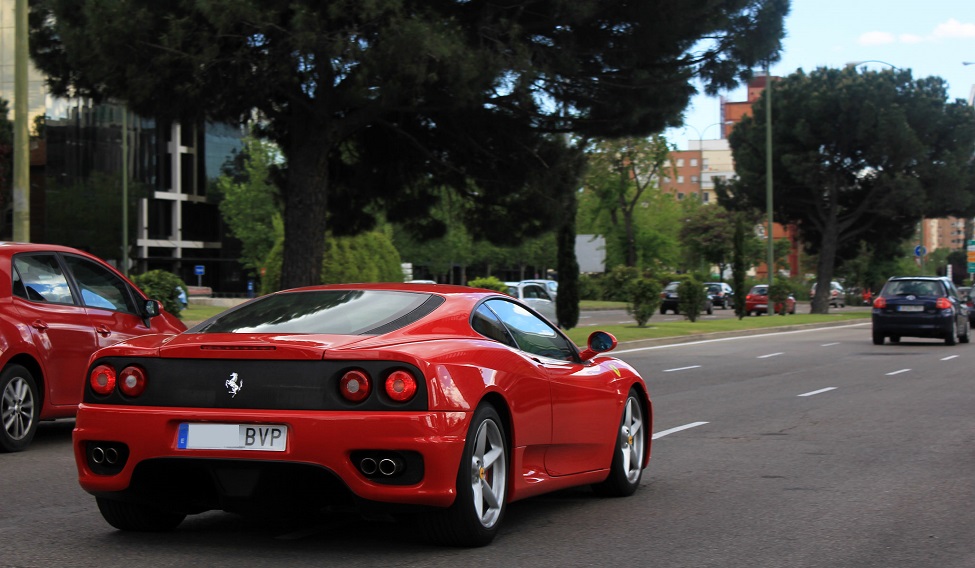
x=536 y=296
x=552 y=286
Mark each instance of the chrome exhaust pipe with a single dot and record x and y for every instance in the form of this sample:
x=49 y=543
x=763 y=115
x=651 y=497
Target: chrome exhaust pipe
x=111 y=456
x=368 y=466
x=98 y=455
x=389 y=466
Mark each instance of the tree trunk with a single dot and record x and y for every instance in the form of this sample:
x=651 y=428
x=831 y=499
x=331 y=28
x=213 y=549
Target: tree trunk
x=827 y=258
x=305 y=212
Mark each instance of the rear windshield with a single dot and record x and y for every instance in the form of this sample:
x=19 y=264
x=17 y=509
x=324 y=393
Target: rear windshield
x=340 y=312
x=913 y=288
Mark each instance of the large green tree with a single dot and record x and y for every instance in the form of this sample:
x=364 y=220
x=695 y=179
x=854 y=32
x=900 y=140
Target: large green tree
x=378 y=101
x=249 y=203
x=857 y=156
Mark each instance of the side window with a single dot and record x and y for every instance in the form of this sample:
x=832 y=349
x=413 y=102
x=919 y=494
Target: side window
x=537 y=292
x=38 y=278
x=99 y=287
x=487 y=324
x=531 y=333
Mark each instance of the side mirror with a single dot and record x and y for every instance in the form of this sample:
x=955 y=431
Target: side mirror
x=599 y=342
x=150 y=309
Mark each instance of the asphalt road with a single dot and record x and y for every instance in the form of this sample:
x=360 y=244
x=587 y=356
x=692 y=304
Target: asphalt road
x=799 y=449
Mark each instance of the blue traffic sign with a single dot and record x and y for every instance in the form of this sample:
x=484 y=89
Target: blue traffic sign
x=919 y=250
x=199 y=270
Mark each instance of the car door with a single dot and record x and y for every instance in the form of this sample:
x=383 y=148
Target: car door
x=59 y=326
x=110 y=302
x=585 y=408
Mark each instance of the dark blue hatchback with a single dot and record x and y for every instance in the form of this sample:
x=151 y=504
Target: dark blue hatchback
x=917 y=306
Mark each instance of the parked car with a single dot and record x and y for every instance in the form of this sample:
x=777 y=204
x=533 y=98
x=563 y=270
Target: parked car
x=918 y=306
x=552 y=286
x=756 y=302
x=58 y=305
x=837 y=296
x=670 y=299
x=965 y=293
x=722 y=295
x=536 y=296
x=435 y=399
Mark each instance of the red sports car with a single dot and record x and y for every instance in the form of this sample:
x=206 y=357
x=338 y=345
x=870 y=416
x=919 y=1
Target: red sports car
x=58 y=305
x=450 y=399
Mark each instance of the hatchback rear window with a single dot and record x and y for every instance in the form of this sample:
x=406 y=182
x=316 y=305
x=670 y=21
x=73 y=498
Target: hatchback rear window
x=913 y=288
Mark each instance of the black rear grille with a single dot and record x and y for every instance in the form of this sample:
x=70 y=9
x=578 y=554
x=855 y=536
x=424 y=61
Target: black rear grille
x=286 y=385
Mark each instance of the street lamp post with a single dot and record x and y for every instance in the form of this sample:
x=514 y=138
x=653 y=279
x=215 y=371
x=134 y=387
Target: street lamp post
x=768 y=185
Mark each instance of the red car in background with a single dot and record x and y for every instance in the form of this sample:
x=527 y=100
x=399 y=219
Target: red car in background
x=442 y=399
x=58 y=305
x=756 y=302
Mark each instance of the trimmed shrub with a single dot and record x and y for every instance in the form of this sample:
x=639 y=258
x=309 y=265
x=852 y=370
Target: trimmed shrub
x=692 y=297
x=616 y=283
x=163 y=286
x=644 y=295
x=489 y=283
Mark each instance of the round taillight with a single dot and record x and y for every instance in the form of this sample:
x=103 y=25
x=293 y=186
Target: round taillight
x=400 y=386
x=132 y=381
x=102 y=379
x=880 y=303
x=355 y=385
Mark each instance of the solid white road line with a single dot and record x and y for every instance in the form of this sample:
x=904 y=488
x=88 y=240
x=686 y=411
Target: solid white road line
x=898 y=372
x=820 y=391
x=949 y=357
x=677 y=429
x=682 y=368
x=830 y=344
x=769 y=355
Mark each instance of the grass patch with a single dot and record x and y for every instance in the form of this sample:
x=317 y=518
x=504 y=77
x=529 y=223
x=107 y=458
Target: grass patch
x=655 y=330
x=194 y=313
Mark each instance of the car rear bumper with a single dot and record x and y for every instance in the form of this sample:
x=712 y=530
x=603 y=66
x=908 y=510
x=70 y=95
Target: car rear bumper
x=328 y=442
x=912 y=325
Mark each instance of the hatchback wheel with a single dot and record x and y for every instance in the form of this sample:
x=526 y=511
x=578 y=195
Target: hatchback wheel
x=965 y=337
x=952 y=336
x=878 y=338
x=19 y=408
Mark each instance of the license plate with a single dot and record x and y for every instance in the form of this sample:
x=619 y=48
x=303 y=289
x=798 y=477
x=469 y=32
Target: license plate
x=910 y=308
x=267 y=437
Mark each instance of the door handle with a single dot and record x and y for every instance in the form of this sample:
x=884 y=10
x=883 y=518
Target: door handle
x=103 y=331
x=38 y=324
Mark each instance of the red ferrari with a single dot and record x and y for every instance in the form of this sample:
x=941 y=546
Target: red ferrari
x=446 y=400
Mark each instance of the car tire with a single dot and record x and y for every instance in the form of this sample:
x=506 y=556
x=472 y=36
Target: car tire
x=710 y=310
x=895 y=339
x=482 y=486
x=663 y=310
x=951 y=337
x=793 y=312
x=20 y=408
x=966 y=336
x=631 y=439
x=878 y=338
x=136 y=517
